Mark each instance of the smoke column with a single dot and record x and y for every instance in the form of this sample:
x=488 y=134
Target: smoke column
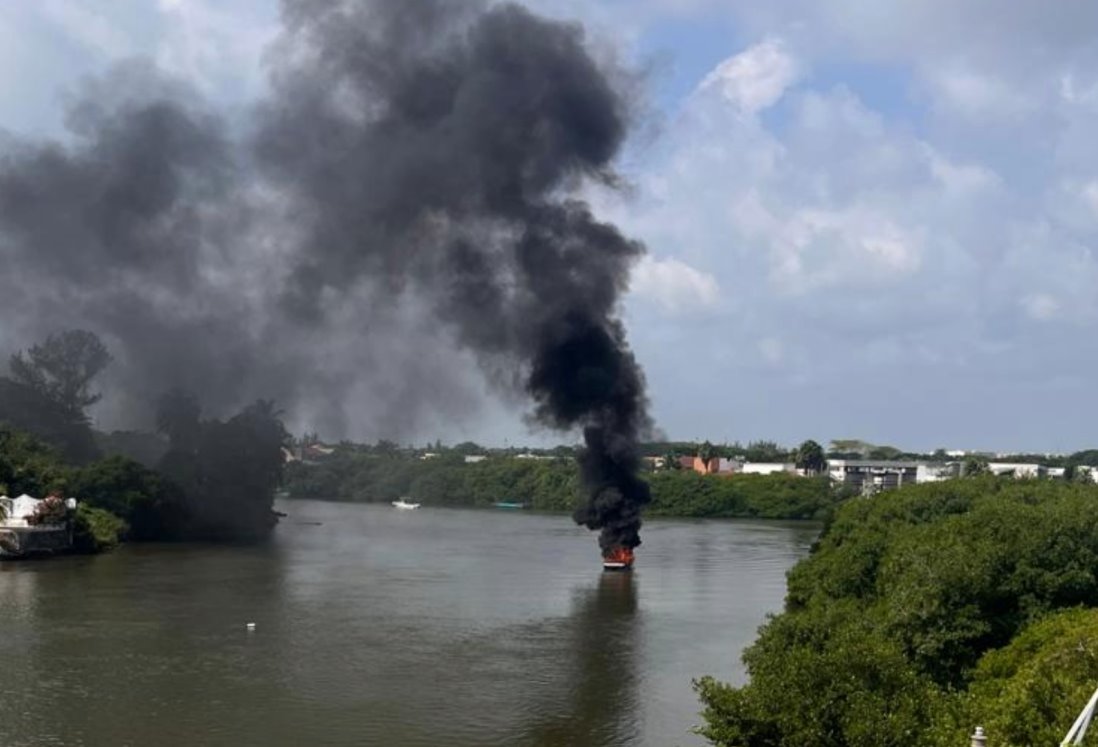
x=420 y=156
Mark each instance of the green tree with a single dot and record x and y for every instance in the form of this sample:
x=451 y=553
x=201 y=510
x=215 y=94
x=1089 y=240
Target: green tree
x=228 y=476
x=811 y=458
x=854 y=447
x=28 y=465
x=140 y=497
x=886 y=453
x=62 y=369
x=468 y=448
x=975 y=467
x=765 y=451
x=386 y=447
x=178 y=417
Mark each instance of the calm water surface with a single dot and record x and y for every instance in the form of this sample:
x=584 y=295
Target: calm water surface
x=389 y=628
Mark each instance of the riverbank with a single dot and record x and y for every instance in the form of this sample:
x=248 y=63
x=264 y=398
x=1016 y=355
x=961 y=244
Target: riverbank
x=30 y=542
x=553 y=485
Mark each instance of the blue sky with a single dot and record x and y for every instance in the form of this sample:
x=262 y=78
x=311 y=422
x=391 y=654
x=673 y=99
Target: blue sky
x=864 y=220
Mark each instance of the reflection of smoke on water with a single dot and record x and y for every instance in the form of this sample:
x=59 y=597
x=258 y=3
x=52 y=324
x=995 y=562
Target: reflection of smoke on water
x=599 y=704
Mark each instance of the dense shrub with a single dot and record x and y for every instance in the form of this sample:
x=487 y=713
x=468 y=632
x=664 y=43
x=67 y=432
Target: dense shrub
x=96 y=530
x=889 y=623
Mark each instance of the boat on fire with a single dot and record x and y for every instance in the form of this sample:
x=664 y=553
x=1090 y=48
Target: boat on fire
x=618 y=559
x=404 y=505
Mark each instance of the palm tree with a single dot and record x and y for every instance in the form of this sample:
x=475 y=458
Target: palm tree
x=811 y=458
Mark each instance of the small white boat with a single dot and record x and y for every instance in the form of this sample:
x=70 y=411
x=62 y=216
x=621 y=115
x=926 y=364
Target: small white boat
x=403 y=504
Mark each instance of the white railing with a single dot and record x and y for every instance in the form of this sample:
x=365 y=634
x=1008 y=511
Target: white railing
x=1074 y=736
x=1078 y=730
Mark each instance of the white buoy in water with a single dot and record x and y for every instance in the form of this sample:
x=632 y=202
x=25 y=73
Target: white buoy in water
x=250 y=627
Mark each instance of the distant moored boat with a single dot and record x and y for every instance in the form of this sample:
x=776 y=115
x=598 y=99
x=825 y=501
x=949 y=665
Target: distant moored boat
x=509 y=504
x=403 y=504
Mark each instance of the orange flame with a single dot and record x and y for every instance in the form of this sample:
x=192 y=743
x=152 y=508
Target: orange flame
x=619 y=555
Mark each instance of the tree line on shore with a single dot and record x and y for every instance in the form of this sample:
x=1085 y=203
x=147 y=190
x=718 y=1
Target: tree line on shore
x=923 y=612
x=198 y=478
x=549 y=484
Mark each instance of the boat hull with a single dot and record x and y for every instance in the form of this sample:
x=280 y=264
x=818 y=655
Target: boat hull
x=616 y=566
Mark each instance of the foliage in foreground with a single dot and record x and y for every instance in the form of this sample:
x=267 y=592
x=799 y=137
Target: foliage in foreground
x=923 y=612
x=549 y=485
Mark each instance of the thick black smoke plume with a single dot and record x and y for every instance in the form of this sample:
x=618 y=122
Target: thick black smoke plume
x=419 y=155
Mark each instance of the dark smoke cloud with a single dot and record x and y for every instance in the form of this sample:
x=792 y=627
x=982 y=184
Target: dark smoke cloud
x=409 y=181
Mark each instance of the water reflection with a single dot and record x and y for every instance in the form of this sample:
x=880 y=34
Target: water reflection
x=380 y=628
x=601 y=706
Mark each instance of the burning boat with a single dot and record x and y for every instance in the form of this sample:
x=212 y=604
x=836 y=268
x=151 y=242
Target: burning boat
x=618 y=559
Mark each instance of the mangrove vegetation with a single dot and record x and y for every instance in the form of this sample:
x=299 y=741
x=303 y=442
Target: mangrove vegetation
x=923 y=612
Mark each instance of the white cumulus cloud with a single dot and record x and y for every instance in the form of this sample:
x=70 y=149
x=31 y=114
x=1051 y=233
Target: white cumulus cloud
x=674 y=285
x=756 y=78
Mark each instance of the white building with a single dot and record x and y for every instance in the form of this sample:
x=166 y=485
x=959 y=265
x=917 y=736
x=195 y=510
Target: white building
x=871 y=475
x=768 y=468
x=474 y=458
x=1018 y=470
x=729 y=466
x=936 y=472
x=16 y=510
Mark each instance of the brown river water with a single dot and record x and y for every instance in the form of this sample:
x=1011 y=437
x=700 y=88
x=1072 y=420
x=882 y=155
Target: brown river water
x=373 y=626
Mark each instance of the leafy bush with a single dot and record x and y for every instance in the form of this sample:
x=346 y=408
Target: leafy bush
x=96 y=530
